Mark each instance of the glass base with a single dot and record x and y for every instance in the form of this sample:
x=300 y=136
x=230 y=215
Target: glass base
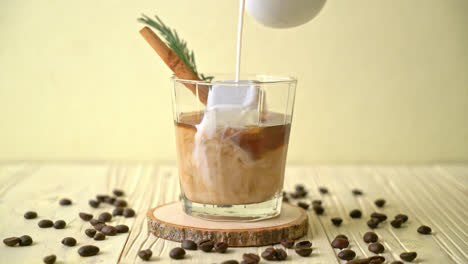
x=234 y=213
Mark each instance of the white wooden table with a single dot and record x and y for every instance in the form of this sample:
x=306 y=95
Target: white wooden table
x=434 y=195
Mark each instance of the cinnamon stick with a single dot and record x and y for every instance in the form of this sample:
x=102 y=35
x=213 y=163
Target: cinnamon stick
x=180 y=69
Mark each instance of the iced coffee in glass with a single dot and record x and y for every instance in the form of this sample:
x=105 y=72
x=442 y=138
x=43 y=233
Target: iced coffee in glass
x=232 y=141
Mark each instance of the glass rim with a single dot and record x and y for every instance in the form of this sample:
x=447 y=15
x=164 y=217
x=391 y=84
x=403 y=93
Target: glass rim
x=275 y=79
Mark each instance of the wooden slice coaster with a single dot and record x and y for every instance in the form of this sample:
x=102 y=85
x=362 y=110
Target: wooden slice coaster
x=169 y=221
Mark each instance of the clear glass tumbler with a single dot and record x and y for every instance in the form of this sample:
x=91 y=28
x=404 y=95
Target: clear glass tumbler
x=232 y=141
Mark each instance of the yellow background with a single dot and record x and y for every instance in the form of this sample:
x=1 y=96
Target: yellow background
x=379 y=81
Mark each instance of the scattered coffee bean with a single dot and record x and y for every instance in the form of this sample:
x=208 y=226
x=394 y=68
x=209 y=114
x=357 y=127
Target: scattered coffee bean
x=251 y=258
x=88 y=250
x=65 y=202
x=45 y=223
x=177 y=253
x=356 y=213
x=59 y=224
x=85 y=216
x=30 y=215
x=408 y=256
x=105 y=217
x=122 y=228
x=120 y=203
x=402 y=217
x=25 y=241
x=337 y=221
x=49 y=259
x=425 y=230
x=90 y=232
x=316 y=202
x=318 y=209
x=373 y=223
x=298 y=194
x=69 y=241
x=189 y=244
x=281 y=254
x=380 y=202
x=340 y=243
x=128 y=212
x=370 y=237
x=102 y=197
x=303 y=251
x=323 y=190
x=109 y=200
x=145 y=254
x=299 y=187
x=357 y=192
x=396 y=223
x=99 y=236
x=11 y=241
x=221 y=247
x=94 y=203
x=206 y=245
x=99 y=226
x=347 y=254
x=397 y=262
x=269 y=254
x=230 y=262
x=285 y=200
x=117 y=211
x=342 y=236
x=305 y=243
x=94 y=222
x=381 y=217
x=109 y=230
x=287 y=242
x=303 y=205
x=376 y=248
x=118 y=192
x=376 y=260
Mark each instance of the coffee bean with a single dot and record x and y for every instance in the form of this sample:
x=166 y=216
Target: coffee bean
x=109 y=230
x=281 y=254
x=65 y=202
x=340 y=243
x=120 y=203
x=318 y=209
x=376 y=261
x=59 y=224
x=45 y=223
x=370 y=237
x=342 y=236
x=102 y=197
x=303 y=205
x=88 y=250
x=25 y=241
x=269 y=254
x=402 y=217
x=336 y=221
x=99 y=236
x=381 y=217
x=316 y=202
x=397 y=262
x=94 y=203
x=287 y=242
x=99 y=226
x=408 y=256
x=376 y=248
x=177 y=253
x=357 y=192
x=285 y=200
x=11 y=241
x=69 y=241
x=230 y=262
x=347 y=254
x=118 y=192
x=373 y=223
x=117 y=211
x=379 y=258
x=299 y=194
x=305 y=243
x=85 y=216
x=128 y=212
x=323 y=190
x=299 y=187
x=303 y=251
x=122 y=228
x=206 y=245
x=396 y=223
x=49 y=259
x=189 y=244
x=145 y=254
x=105 y=217
x=94 y=222
x=425 y=230
x=221 y=247
x=109 y=200
x=30 y=215
x=380 y=202
x=90 y=232
x=355 y=213
x=253 y=258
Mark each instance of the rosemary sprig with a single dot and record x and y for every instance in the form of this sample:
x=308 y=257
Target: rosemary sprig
x=175 y=43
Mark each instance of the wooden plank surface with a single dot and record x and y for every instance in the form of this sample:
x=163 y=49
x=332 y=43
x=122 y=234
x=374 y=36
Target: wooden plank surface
x=435 y=195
